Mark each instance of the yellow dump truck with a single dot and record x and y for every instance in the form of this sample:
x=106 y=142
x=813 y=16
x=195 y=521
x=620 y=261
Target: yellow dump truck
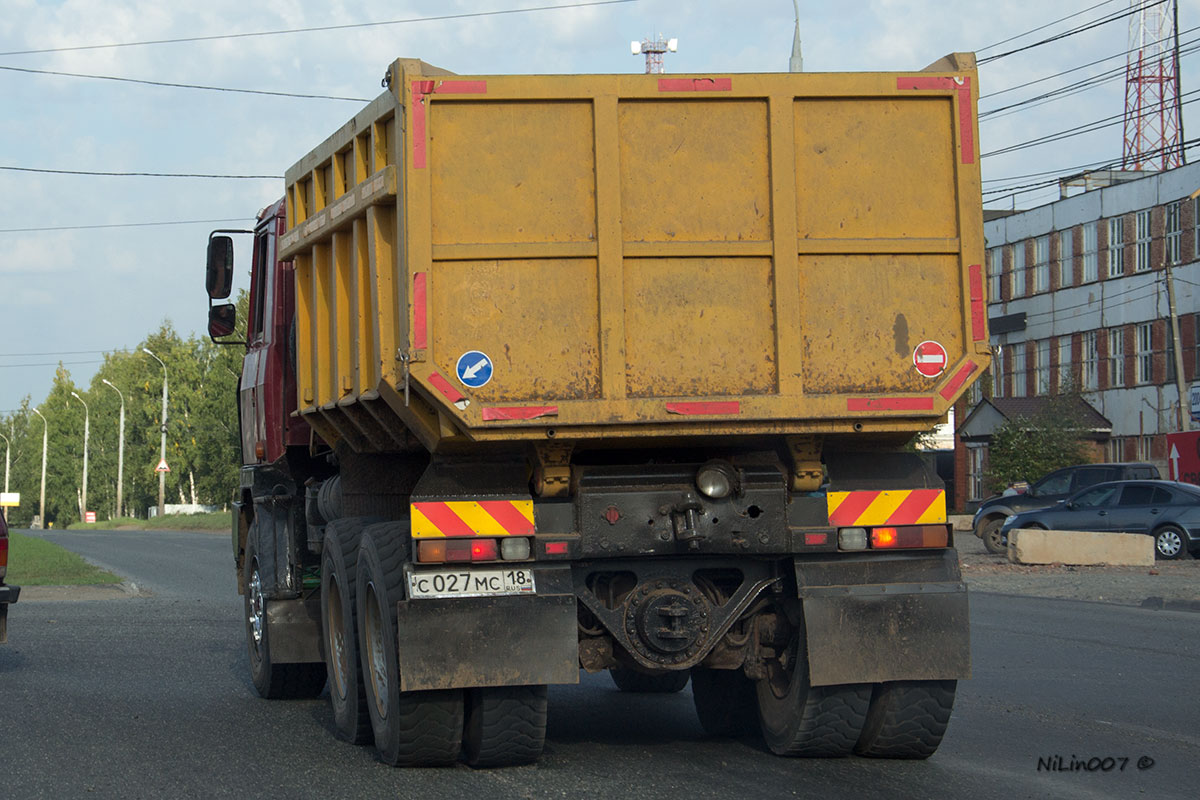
x=614 y=372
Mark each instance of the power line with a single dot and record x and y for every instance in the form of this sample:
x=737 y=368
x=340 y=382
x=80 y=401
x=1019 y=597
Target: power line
x=141 y=174
x=410 y=20
x=60 y=353
x=1043 y=27
x=121 y=225
x=185 y=85
x=1071 y=32
x=51 y=364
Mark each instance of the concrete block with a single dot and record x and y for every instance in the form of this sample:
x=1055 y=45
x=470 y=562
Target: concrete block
x=1081 y=548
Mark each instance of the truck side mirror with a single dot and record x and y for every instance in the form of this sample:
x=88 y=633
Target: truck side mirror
x=219 y=275
x=222 y=320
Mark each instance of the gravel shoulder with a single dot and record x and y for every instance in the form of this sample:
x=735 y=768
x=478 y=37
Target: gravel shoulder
x=1168 y=584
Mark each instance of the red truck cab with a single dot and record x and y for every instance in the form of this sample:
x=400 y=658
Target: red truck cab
x=8 y=594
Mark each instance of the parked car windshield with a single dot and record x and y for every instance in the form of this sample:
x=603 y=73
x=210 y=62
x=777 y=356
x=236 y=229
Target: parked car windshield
x=1054 y=483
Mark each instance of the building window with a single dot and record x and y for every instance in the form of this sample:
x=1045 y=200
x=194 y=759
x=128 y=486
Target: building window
x=1174 y=231
x=1116 y=247
x=1041 y=366
x=1041 y=264
x=1087 y=362
x=1018 y=370
x=1116 y=449
x=995 y=268
x=1116 y=358
x=1142 y=258
x=998 y=376
x=975 y=473
x=1064 y=363
x=1066 y=259
x=1145 y=448
x=1018 y=272
x=1145 y=352
x=1091 y=249
x=975 y=394
x=1170 y=355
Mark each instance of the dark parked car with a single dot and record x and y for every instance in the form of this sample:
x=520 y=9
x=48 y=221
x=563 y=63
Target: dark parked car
x=1058 y=485
x=1167 y=510
x=8 y=594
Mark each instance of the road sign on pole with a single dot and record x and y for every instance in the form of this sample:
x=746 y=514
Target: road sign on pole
x=1183 y=456
x=162 y=466
x=10 y=499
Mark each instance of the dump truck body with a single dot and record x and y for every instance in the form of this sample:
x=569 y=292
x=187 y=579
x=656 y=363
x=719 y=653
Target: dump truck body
x=614 y=372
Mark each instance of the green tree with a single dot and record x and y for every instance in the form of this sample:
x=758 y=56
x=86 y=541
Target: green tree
x=1026 y=448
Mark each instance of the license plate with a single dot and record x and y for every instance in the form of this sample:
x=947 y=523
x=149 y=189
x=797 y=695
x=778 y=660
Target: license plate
x=470 y=583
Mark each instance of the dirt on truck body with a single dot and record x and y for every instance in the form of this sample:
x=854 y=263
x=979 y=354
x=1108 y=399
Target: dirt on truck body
x=614 y=372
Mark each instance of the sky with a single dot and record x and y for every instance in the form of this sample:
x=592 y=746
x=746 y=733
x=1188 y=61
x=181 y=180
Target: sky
x=92 y=264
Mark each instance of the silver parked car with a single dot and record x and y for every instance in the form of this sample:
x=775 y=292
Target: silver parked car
x=1167 y=510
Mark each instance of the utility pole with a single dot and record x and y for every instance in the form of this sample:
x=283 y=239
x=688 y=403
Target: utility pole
x=45 y=441
x=7 y=450
x=120 y=449
x=162 y=460
x=796 y=63
x=86 y=432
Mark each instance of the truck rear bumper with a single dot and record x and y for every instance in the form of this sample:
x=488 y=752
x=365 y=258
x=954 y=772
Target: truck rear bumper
x=877 y=619
x=8 y=595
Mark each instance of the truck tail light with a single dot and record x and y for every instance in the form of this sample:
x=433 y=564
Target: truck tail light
x=437 y=551
x=909 y=536
x=3 y=556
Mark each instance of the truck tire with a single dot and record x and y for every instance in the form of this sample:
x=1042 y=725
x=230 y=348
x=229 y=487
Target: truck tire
x=799 y=719
x=272 y=681
x=907 y=719
x=993 y=540
x=505 y=725
x=339 y=628
x=724 y=701
x=631 y=680
x=411 y=728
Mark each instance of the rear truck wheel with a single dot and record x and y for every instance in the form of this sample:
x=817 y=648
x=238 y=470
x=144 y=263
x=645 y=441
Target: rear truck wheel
x=273 y=681
x=725 y=701
x=1169 y=542
x=505 y=725
x=799 y=719
x=907 y=719
x=339 y=637
x=411 y=728
x=631 y=680
x=993 y=540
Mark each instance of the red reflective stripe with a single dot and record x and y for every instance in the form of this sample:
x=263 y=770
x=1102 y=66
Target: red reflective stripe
x=445 y=520
x=443 y=386
x=889 y=404
x=719 y=407
x=420 y=335
x=491 y=414
x=977 y=311
x=419 y=90
x=913 y=506
x=508 y=516
x=695 y=84
x=958 y=380
x=966 y=126
x=460 y=87
x=852 y=508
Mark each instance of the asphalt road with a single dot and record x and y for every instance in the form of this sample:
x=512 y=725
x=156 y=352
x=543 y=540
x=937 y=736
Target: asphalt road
x=149 y=696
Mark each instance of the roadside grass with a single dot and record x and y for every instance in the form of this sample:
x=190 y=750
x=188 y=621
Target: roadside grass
x=36 y=562
x=214 y=521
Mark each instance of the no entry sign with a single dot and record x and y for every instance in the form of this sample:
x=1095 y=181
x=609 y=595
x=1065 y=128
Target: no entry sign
x=930 y=359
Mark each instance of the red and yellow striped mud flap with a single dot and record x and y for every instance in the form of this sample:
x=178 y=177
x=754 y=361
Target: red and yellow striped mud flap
x=893 y=507
x=472 y=518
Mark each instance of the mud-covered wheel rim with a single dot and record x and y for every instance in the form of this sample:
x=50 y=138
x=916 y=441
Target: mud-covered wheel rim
x=255 y=617
x=1168 y=542
x=374 y=645
x=339 y=657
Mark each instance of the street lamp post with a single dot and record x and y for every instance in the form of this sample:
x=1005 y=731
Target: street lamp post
x=120 y=449
x=86 y=433
x=162 y=475
x=45 y=441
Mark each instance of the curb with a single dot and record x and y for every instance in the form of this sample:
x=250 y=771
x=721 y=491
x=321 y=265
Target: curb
x=1150 y=603
x=1169 y=604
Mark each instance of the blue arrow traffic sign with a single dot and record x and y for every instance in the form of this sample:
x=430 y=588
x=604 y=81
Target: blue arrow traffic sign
x=474 y=369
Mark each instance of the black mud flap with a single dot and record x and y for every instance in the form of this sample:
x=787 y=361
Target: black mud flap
x=451 y=643
x=909 y=622
x=294 y=630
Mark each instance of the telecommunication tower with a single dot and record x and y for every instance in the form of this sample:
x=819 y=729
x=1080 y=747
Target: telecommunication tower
x=654 y=50
x=1152 y=114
